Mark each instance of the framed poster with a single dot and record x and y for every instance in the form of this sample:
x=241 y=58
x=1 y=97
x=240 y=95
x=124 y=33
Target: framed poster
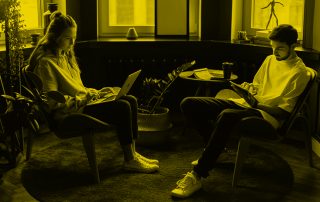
x=172 y=18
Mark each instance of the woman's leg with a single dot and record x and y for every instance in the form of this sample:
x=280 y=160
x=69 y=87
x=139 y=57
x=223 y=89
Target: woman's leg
x=134 y=110
x=119 y=113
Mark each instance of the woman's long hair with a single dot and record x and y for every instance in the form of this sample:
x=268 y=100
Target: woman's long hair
x=48 y=43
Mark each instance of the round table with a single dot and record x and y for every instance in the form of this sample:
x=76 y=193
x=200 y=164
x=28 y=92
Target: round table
x=203 y=84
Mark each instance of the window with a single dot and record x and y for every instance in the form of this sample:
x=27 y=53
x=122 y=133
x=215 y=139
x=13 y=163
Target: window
x=115 y=17
x=31 y=14
x=262 y=14
x=131 y=13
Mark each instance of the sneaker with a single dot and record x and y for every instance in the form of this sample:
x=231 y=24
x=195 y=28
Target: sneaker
x=151 y=161
x=187 y=186
x=195 y=162
x=137 y=165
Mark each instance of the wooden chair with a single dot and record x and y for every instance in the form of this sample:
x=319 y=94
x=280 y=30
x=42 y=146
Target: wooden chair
x=72 y=125
x=254 y=130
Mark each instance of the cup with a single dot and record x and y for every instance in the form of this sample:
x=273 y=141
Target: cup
x=227 y=68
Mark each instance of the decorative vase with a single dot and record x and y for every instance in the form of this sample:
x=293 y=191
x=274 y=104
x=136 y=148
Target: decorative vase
x=132 y=34
x=46 y=15
x=34 y=38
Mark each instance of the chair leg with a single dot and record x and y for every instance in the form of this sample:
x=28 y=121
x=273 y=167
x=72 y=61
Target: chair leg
x=308 y=143
x=29 y=146
x=30 y=136
x=89 y=146
x=31 y=131
x=243 y=148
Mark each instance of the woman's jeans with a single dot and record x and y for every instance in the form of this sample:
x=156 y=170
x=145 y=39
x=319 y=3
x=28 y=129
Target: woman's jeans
x=122 y=113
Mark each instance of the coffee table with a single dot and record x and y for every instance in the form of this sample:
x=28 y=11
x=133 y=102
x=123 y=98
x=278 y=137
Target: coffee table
x=204 y=84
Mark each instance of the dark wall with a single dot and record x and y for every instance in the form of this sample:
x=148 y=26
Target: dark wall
x=216 y=19
x=85 y=14
x=106 y=63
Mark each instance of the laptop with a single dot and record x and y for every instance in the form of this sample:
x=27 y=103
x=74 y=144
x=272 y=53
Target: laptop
x=123 y=91
x=245 y=94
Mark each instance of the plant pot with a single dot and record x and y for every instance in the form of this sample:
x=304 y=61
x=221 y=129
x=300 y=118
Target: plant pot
x=159 y=121
x=153 y=128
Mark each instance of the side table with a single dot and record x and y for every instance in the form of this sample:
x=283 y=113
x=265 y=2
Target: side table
x=204 y=85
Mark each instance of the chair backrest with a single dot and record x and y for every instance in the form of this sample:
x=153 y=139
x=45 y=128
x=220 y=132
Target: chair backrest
x=301 y=103
x=35 y=87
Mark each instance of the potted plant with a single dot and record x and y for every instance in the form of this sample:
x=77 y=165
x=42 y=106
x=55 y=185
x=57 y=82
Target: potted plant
x=151 y=115
x=14 y=107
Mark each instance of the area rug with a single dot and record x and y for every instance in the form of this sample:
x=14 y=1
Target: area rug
x=61 y=173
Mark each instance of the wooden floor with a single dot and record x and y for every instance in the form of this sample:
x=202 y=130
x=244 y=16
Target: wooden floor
x=306 y=186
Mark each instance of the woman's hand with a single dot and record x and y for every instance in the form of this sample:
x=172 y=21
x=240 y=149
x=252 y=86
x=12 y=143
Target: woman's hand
x=80 y=101
x=108 y=91
x=92 y=94
x=74 y=103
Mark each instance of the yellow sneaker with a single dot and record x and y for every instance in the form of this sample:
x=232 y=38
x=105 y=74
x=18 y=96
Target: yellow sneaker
x=187 y=186
x=147 y=160
x=137 y=165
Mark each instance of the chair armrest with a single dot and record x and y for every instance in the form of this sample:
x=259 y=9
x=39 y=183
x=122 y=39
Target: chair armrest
x=57 y=96
x=257 y=127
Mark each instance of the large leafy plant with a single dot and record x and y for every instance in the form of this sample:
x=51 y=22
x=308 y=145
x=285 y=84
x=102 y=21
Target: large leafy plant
x=154 y=89
x=15 y=109
x=14 y=31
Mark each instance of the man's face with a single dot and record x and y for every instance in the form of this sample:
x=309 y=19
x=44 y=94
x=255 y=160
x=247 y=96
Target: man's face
x=281 y=50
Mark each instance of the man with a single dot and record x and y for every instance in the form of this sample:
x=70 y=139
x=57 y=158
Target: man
x=276 y=86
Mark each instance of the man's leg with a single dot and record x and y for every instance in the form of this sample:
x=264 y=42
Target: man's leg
x=223 y=128
x=202 y=112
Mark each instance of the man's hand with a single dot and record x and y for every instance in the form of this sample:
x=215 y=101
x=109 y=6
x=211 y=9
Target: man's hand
x=250 y=87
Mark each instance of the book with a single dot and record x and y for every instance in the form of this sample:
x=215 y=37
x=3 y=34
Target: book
x=202 y=73
x=245 y=94
x=208 y=74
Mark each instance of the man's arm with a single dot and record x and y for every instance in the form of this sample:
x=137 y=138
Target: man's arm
x=274 y=111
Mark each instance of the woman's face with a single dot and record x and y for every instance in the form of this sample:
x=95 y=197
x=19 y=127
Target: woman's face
x=67 y=39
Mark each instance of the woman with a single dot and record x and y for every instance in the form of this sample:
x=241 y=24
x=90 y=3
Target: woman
x=53 y=60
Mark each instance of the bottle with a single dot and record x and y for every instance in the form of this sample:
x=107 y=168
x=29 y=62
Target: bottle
x=46 y=15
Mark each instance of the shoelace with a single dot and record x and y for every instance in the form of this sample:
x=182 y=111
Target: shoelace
x=184 y=181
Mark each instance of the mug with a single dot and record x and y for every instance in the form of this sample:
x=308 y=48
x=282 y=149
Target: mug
x=227 y=68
